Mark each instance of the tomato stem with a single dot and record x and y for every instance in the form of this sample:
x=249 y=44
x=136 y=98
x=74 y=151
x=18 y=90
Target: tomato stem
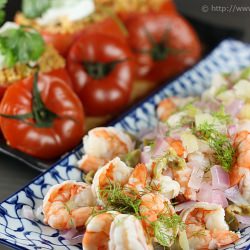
x=43 y=117
x=159 y=51
x=99 y=70
x=21 y=117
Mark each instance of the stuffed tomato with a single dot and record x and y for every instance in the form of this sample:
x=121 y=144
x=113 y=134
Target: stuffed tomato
x=21 y=51
x=62 y=22
x=102 y=70
x=42 y=116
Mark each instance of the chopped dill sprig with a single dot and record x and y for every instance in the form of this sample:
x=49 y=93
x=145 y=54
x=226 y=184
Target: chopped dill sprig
x=121 y=201
x=222 y=89
x=189 y=108
x=220 y=143
x=166 y=228
x=222 y=116
x=97 y=211
x=170 y=159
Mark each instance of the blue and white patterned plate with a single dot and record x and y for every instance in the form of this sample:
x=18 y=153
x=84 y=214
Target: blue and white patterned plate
x=20 y=233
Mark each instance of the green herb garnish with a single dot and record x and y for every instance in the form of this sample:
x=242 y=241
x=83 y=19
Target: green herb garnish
x=121 y=201
x=21 y=45
x=222 y=89
x=170 y=159
x=2 y=12
x=189 y=108
x=220 y=143
x=35 y=8
x=222 y=116
x=166 y=228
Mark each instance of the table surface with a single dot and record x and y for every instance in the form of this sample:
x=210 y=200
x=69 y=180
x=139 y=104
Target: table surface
x=14 y=174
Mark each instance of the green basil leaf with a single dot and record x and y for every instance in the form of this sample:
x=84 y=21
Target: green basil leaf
x=7 y=55
x=35 y=8
x=25 y=45
x=2 y=12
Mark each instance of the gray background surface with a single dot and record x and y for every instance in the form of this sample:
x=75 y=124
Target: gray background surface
x=14 y=175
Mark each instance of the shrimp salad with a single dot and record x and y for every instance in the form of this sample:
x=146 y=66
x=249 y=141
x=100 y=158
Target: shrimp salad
x=183 y=185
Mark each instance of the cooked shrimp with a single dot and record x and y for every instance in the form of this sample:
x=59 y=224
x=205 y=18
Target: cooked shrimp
x=242 y=165
x=102 y=145
x=138 y=179
x=244 y=186
x=97 y=231
x=89 y=163
x=182 y=176
x=177 y=146
x=68 y=205
x=127 y=233
x=114 y=172
x=206 y=226
x=166 y=108
x=152 y=206
x=166 y=186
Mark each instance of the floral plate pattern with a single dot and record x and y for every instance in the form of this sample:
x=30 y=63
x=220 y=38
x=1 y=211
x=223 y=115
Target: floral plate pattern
x=21 y=233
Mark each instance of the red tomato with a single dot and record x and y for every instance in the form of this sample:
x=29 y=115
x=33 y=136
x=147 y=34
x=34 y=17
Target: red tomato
x=42 y=117
x=167 y=7
x=63 y=42
x=102 y=70
x=60 y=73
x=164 y=44
x=108 y=27
x=2 y=91
x=63 y=75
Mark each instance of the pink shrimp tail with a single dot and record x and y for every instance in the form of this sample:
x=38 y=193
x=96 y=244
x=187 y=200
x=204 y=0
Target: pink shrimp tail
x=89 y=163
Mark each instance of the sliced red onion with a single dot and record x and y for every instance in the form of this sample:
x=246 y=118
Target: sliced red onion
x=234 y=107
x=219 y=197
x=176 y=134
x=243 y=219
x=162 y=130
x=205 y=193
x=160 y=148
x=158 y=132
x=75 y=240
x=211 y=105
x=146 y=155
x=233 y=194
x=69 y=234
x=184 y=205
x=28 y=213
x=220 y=178
x=196 y=176
x=232 y=130
x=144 y=133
